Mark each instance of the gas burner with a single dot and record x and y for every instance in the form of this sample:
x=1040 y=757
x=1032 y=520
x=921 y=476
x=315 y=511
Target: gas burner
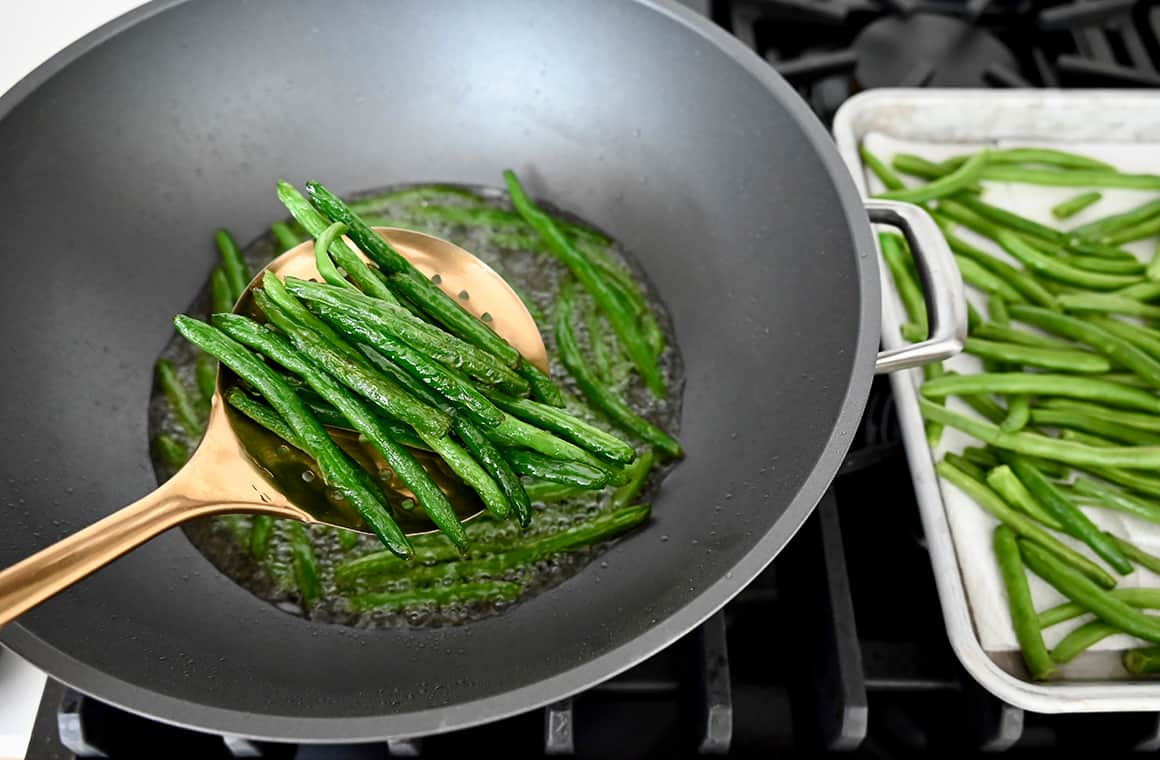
x=925 y=49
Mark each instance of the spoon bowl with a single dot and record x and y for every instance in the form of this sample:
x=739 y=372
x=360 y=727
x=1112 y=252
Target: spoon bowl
x=238 y=468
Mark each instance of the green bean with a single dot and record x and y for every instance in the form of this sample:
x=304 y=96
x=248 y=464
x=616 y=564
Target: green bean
x=1152 y=273
x=1048 y=358
x=1108 y=303
x=1141 y=484
x=1069 y=452
x=491 y=592
x=274 y=291
x=917 y=166
x=973 y=316
x=970 y=468
x=205 y=371
x=1007 y=484
x=984 y=405
x=1131 y=234
x=1011 y=220
x=347 y=539
x=539 y=466
x=909 y=292
x=1104 y=266
x=1110 y=224
x=1051 y=267
x=285 y=237
x=1020 y=523
x=316 y=224
x=1074 y=522
x=177 y=395
x=382 y=392
x=233 y=264
x=337 y=469
x=1135 y=553
x=1081 y=639
x=547 y=492
x=978 y=277
x=597 y=347
x=638 y=471
x=1128 y=379
x=1145 y=598
x=1075 y=204
x=1031 y=289
x=263 y=416
x=982 y=457
x=1080 y=589
x=1042 y=384
x=411 y=283
x=567 y=426
x=997 y=310
x=1019 y=602
x=1142 y=660
x=581 y=268
x=472 y=473
x=1142 y=291
x=330 y=417
x=221 y=294
x=173 y=452
x=1008 y=334
x=888 y=178
x=1117 y=416
x=1143 y=338
x=949 y=184
x=1114 y=348
x=600 y=528
x=352 y=309
x=1065 y=418
x=439 y=378
x=1098 y=250
x=544 y=389
x=1048 y=156
x=322 y=261
x=497 y=467
x=1115 y=499
x=261 y=534
x=600 y=396
x=1071 y=177
x=305 y=565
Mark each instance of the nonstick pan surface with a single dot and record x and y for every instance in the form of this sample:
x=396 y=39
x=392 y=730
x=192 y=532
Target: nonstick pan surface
x=121 y=156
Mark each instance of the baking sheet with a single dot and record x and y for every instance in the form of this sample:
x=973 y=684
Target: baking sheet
x=971 y=527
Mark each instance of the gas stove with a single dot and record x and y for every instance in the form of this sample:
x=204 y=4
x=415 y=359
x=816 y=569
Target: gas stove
x=839 y=647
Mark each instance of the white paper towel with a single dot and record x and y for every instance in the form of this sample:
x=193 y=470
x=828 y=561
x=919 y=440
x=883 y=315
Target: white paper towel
x=971 y=527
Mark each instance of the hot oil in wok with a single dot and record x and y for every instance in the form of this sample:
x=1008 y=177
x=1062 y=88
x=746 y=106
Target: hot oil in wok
x=488 y=229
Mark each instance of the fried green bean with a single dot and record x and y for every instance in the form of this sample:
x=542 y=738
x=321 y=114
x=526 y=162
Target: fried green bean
x=205 y=371
x=537 y=465
x=1075 y=204
x=1022 y=609
x=581 y=268
x=263 y=415
x=178 y=397
x=285 y=237
x=261 y=535
x=221 y=295
x=566 y=426
x=173 y=452
x=491 y=592
x=600 y=396
x=322 y=261
x=306 y=575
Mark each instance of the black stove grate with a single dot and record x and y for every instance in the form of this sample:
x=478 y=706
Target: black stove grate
x=839 y=647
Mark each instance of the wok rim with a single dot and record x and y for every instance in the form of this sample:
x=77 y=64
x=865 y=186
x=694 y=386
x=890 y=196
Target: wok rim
x=110 y=688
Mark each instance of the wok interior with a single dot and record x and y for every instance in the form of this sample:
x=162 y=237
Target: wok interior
x=122 y=165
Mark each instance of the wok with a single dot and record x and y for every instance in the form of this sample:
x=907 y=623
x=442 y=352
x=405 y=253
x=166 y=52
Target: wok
x=125 y=151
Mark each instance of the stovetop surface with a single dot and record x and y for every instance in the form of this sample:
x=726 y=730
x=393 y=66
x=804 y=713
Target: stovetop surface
x=839 y=647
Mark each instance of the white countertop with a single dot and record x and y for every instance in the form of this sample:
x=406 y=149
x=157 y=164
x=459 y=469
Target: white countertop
x=35 y=31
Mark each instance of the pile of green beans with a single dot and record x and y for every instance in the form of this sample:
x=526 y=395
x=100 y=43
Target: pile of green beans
x=1070 y=388
x=378 y=349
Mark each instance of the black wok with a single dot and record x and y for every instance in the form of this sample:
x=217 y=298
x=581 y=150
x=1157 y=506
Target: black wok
x=124 y=152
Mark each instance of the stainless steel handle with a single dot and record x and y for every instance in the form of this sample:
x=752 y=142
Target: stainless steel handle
x=942 y=287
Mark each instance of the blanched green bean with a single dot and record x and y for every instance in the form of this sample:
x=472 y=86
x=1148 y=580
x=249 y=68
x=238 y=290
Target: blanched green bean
x=1033 y=356
x=1069 y=452
x=1131 y=234
x=1141 y=598
x=1046 y=156
x=885 y=175
x=980 y=279
x=1114 y=498
x=1011 y=220
x=1019 y=602
x=1006 y=484
x=1031 y=289
x=1084 y=331
x=1087 y=423
x=1008 y=334
x=1075 y=204
x=1081 y=639
x=1071 y=177
x=1136 y=420
x=1143 y=338
x=948 y=184
x=1108 y=303
x=1135 y=553
x=1142 y=291
x=1142 y=661
x=1021 y=523
x=1054 y=268
x=1113 y=223
x=1042 y=384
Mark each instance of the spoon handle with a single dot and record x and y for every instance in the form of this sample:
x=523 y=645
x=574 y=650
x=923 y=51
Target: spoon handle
x=50 y=571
